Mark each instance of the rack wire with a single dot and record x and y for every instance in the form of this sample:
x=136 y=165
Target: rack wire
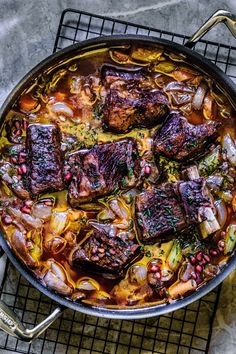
x=187 y=330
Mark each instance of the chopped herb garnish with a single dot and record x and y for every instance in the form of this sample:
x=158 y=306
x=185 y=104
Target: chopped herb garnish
x=148 y=254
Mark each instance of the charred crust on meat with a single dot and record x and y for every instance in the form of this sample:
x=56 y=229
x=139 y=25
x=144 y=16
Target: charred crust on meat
x=102 y=253
x=45 y=161
x=103 y=169
x=131 y=100
x=180 y=140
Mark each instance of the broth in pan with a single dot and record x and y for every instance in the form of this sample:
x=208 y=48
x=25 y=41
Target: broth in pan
x=118 y=177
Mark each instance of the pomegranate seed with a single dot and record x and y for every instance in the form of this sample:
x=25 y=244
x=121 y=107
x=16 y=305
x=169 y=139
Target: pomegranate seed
x=193 y=260
x=68 y=176
x=23 y=168
x=203 y=262
x=29 y=203
x=19 y=177
x=199 y=256
x=147 y=170
x=17 y=124
x=198 y=268
x=206 y=257
x=22 y=154
x=223 y=233
x=18 y=132
x=25 y=209
x=19 y=170
x=194 y=275
x=111 y=251
x=213 y=252
x=14 y=160
x=21 y=159
x=157 y=275
x=154 y=268
x=7 y=219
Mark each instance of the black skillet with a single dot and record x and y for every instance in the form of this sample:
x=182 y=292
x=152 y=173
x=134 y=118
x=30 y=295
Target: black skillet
x=8 y=320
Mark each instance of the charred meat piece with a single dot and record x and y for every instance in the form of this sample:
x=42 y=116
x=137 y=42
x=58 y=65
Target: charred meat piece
x=102 y=169
x=159 y=213
x=195 y=197
x=162 y=211
x=131 y=100
x=44 y=158
x=106 y=251
x=180 y=140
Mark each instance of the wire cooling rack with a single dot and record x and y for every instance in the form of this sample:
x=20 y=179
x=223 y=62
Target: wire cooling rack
x=187 y=330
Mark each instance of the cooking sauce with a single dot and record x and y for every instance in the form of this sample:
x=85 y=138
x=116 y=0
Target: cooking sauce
x=70 y=95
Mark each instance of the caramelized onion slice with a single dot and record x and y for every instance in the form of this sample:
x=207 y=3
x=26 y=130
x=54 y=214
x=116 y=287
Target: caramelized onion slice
x=55 y=244
x=221 y=211
x=59 y=222
x=209 y=107
x=110 y=229
x=180 y=87
x=199 y=96
x=54 y=282
x=87 y=284
x=137 y=274
x=41 y=211
x=18 y=242
x=230 y=147
x=26 y=219
x=106 y=214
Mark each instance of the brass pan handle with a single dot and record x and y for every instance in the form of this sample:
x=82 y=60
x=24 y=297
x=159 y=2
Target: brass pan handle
x=10 y=323
x=219 y=16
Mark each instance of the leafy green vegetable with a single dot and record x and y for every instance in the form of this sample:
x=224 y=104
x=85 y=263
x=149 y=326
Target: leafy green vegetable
x=210 y=162
x=230 y=239
x=175 y=256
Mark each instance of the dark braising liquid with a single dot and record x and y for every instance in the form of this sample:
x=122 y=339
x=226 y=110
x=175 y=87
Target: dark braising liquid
x=45 y=231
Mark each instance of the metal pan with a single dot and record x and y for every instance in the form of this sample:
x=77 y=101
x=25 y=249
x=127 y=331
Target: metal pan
x=8 y=320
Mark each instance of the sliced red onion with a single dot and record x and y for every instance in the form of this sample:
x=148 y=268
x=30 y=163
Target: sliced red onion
x=199 y=96
x=181 y=98
x=41 y=211
x=117 y=208
x=137 y=274
x=57 y=269
x=221 y=212
x=55 y=283
x=179 y=86
x=229 y=146
x=26 y=219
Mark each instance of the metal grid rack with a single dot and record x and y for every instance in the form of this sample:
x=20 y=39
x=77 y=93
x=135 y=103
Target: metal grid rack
x=187 y=330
